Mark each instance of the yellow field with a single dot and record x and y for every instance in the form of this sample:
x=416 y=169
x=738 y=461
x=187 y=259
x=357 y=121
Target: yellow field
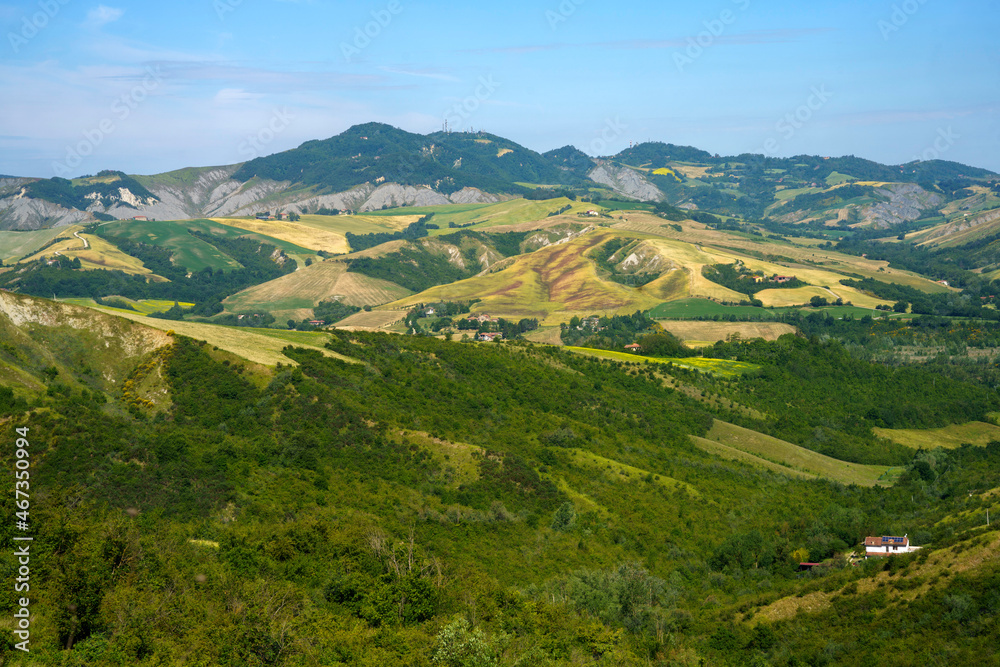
x=691 y=172
x=814 y=265
x=98 y=255
x=143 y=306
x=375 y=319
x=260 y=346
x=793 y=297
x=949 y=437
x=796 y=458
x=545 y=336
x=710 y=332
x=292 y=232
x=512 y=212
x=295 y=294
x=322 y=232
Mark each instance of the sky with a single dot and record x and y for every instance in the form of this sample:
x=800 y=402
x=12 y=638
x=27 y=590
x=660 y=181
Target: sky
x=146 y=87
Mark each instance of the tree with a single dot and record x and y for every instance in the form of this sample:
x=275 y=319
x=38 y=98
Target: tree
x=818 y=302
x=901 y=306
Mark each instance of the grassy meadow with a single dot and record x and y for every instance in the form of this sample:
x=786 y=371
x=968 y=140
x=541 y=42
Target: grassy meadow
x=797 y=458
x=949 y=437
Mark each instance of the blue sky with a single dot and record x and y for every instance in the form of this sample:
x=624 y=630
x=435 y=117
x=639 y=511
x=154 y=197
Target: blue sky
x=148 y=87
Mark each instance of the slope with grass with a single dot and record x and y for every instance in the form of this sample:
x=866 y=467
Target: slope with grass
x=190 y=251
x=949 y=437
x=707 y=333
x=797 y=458
x=15 y=245
x=295 y=294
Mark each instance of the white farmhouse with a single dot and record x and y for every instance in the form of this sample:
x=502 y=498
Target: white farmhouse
x=888 y=546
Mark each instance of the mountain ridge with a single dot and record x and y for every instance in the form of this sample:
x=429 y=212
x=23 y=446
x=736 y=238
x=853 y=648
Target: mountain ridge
x=374 y=165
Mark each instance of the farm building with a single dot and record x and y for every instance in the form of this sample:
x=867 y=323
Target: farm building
x=634 y=347
x=783 y=279
x=888 y=546
x=488 y=336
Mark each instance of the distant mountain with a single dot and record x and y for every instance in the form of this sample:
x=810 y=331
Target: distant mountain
x=374 y=166
x=377 y=153
x=571 y=159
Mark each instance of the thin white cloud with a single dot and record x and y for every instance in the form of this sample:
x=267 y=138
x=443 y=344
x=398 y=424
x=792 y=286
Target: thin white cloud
x=103 y=15
x=234 y=96
x=421 y=73
x=750 y=38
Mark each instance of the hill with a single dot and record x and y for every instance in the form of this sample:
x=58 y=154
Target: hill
x=401 y=499
x=375 y=152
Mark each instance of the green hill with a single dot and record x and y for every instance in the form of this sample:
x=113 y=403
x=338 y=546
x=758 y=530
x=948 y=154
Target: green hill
x=374 y=151
x=412 y=498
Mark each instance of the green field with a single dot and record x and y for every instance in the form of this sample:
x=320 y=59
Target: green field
x=143 y=306
x=949 y=437
x=612 y=205
x=798 y=458
x=15 y=245
x=687 y=309
x=424 y=210
x=188 y=251
x=722 y=367
x=512 y=212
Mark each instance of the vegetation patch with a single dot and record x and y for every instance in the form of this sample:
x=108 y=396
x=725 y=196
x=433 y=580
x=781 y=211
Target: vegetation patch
x=952 y=436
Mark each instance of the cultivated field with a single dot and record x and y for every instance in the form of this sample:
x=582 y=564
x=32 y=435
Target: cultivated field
x=292 y=232
x=193 y=253
x=189 y=252
x=295 y=294
x=795 y=457
x=98 y=254
x=710 y=332
x=373 y=320
x=143 y=306
x=512 y=212
x=723 y=367
x=545 y=336
x=15 y=245
x=949 y=437
x=814 y=265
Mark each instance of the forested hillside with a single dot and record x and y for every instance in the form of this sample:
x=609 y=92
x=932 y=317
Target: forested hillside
x=431 y=502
